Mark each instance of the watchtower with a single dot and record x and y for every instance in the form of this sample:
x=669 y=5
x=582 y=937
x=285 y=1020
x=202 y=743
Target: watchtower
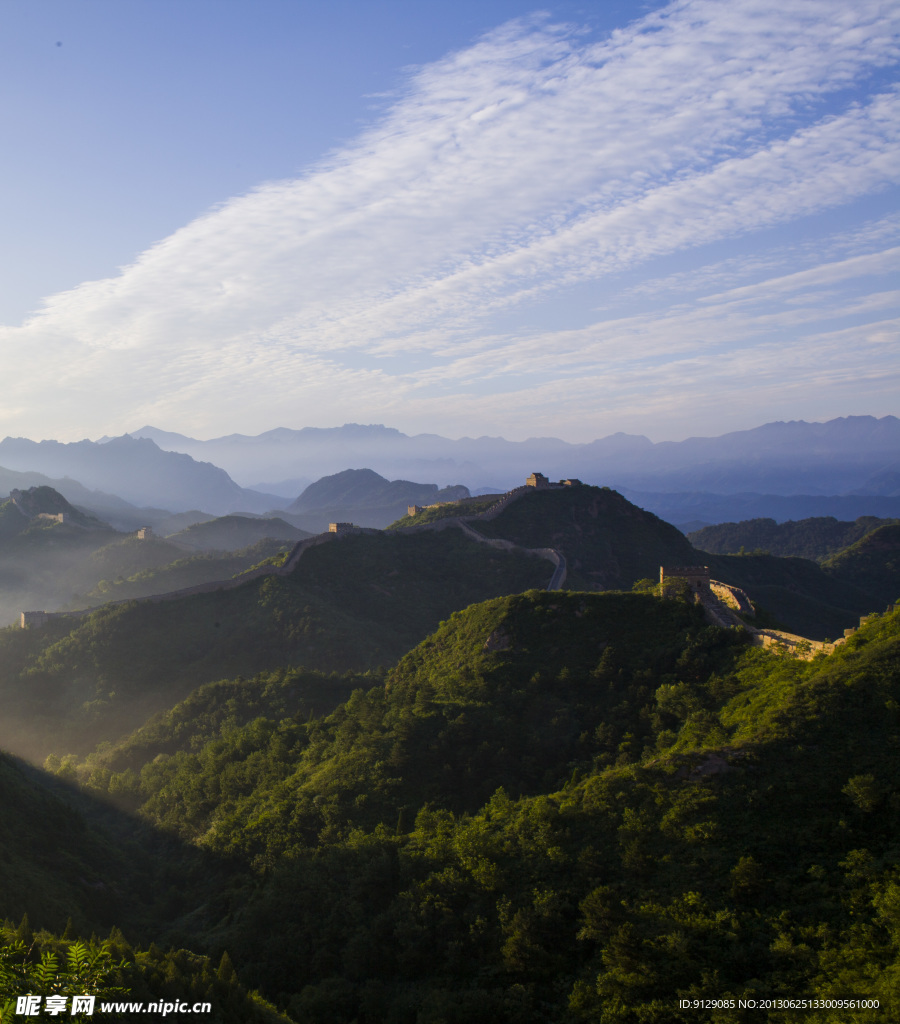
x=33 y=620
x=696 y=577
x=537 y=480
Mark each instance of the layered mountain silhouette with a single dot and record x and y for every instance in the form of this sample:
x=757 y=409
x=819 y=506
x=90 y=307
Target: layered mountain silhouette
x=136 y=470
x=845 y=468
x=844 y=455
x=363 y=497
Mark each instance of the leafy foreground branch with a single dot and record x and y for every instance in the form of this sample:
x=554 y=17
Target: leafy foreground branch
x=113 y=972
x=89 y=970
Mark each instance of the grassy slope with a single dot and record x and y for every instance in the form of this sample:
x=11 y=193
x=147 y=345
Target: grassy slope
x=217 y=709
x=501 y=694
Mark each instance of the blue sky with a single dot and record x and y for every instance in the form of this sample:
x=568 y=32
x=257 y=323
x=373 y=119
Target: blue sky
x=460 y=218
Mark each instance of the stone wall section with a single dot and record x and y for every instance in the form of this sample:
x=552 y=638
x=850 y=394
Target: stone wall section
x=724 y=606
x=550 y=554
x=734 y=597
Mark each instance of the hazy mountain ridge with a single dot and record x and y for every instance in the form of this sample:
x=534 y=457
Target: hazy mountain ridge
x=796 y=457
x=231 y=533
x=138 y=471
x=108 y=507
x=365 y=498
x=846 y=467
x=80 y=562
x=45 y=501
x=364 y=488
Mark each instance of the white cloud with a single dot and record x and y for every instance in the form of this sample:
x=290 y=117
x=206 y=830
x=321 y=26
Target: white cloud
x=528 y=163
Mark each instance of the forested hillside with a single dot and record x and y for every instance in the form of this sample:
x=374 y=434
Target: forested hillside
x=352 y=604
x=182 y=572
x=558 y=807
x=816 y=538
x=873 y=562
x=553 y=807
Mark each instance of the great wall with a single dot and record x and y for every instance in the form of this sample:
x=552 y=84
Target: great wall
x=723 y=604
x=34 y=619
x=727 y=606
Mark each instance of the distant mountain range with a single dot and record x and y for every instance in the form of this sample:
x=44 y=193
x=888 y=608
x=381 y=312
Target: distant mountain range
x=136 y=470
x=851 y=455
x=847 y=468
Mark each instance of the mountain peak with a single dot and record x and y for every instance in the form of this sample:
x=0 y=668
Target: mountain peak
x=44 y=501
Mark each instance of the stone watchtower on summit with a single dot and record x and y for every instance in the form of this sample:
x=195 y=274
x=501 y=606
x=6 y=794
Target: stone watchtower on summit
x=537 y=480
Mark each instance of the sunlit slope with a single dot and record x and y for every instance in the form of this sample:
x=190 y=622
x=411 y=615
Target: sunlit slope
x=508 y=692
x=351 y=604
x=447 y=510
x=734 y=824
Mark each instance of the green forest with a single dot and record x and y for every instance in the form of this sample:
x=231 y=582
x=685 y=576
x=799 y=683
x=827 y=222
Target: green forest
x=407 y=785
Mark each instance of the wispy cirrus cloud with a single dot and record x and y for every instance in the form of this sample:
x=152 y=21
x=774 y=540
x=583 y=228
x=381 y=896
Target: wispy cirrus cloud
x=380 y=285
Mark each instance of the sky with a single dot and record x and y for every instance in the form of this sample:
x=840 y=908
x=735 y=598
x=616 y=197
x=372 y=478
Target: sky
x=461 y=218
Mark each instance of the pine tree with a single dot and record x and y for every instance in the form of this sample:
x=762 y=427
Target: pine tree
x=226 y=969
